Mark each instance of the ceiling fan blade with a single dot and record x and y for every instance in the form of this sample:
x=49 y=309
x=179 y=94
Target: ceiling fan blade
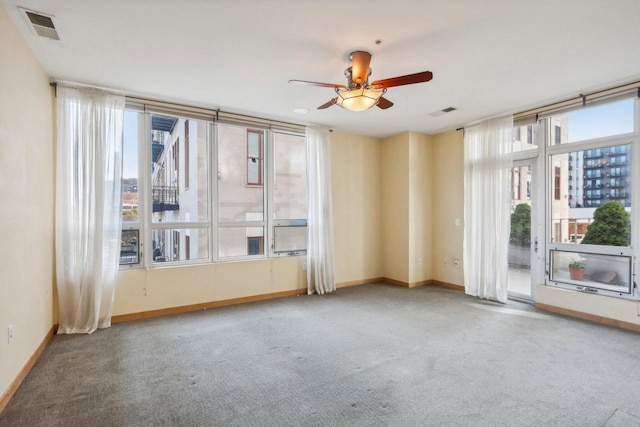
x=360 y=67
x=384 y=103
x=327 y=104
x=307 y=83
x=409 y=79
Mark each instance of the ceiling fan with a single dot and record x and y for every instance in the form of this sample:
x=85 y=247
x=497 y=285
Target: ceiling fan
x=359 y=94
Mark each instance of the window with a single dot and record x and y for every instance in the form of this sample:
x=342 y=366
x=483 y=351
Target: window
x=255 y=146
x=130 y=240
x=176 y=212
x=602 y=183
x=599 y=121
x=255 y=245
x=530 y=134
x=289 y=194
x=599 y=271
x=593 y=226
x=557 y=134
x=180 y=187
x=241 y=197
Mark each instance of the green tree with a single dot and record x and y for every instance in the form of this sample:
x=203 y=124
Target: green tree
x=611 y=226
x=521 y=225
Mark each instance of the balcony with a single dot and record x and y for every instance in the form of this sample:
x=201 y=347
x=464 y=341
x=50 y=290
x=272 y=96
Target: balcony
x=165 y=198
x=595 y=154
x=161 y=128
x=592 y=165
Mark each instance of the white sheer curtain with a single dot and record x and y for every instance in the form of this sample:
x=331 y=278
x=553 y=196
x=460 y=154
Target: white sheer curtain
x=320 y=220
x=487 y=202
x=88 y=205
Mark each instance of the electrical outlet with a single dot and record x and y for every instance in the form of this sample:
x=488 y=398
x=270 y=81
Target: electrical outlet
x=10 y=333
x=420 y=261
x=456 y=263
x=446 y=261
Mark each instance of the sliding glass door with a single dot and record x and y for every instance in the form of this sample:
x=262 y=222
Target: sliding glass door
x=523 y=246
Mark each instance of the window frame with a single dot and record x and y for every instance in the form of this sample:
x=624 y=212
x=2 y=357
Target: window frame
x=176 y=226
x=260 y=158
x=632 y=139
x=145 y=225
x=138 y=224
x=282 y=222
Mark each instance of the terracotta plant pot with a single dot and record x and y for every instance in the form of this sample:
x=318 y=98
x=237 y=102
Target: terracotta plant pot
x=576 y=273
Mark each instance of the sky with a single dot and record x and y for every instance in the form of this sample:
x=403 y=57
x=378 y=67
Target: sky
x=602 y=120
x=130 y=155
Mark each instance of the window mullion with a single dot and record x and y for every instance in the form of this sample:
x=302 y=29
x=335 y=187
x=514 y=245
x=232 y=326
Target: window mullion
x=269 y=189
x=213 y=191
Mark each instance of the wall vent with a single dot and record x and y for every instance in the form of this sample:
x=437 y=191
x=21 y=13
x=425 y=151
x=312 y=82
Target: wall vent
x=41 y=24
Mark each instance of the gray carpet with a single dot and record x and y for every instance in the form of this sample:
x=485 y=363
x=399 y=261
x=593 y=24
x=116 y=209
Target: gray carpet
x=371 y=355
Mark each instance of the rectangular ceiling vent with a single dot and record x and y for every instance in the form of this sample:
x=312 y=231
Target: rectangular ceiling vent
x=41 y=24
x=443 y=111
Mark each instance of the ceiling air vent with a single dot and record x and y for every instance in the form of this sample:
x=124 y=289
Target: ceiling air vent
x=41 y=24
x=443 y=111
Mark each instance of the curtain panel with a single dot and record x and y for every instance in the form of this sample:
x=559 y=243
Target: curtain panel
x=320 y=278
x=88 y=205
x=487 y=204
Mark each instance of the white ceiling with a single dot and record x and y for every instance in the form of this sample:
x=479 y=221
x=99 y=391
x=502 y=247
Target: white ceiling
x=488 y=57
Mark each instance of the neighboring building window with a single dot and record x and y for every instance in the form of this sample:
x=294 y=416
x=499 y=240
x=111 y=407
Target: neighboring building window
x=529 y=134
x=516 y=183
x=255 y=143
x=556 y=183
x=255 y=245
x=557 y=135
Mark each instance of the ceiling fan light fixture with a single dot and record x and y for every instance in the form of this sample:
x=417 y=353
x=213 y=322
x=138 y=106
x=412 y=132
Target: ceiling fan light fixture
x=358 y=99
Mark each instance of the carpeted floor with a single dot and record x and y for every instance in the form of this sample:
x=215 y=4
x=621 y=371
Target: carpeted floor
x=374 y=355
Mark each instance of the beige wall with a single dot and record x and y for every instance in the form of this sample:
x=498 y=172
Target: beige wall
x=394 y=172
x=594 y=305
x=420 y=164
x=355 y=180
x=161 y=288
x=407 y=210
x=26 y=191
x=448 y=204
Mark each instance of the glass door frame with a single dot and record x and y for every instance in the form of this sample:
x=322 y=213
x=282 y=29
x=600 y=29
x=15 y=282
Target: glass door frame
x=532 y=158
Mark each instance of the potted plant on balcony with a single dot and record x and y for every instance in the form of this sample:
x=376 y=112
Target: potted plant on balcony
x=576 y=268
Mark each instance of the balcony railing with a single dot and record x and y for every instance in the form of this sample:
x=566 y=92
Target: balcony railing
x=165 y=198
